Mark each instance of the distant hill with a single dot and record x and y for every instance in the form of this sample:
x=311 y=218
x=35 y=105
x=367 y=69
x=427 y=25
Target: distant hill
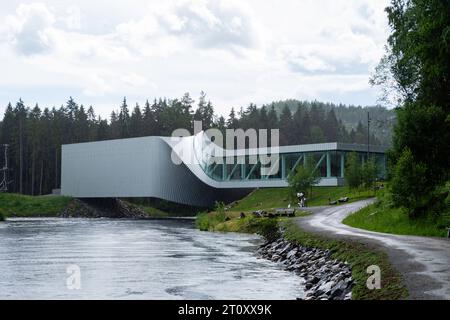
x=382 y=119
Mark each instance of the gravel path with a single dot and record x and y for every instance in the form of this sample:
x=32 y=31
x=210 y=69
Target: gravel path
x=423 y=261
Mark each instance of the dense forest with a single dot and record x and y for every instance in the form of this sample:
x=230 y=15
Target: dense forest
x=35 y=135
x=416 y=72
x=382 y=120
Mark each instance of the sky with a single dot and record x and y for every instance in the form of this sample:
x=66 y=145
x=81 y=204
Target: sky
x=238 y=52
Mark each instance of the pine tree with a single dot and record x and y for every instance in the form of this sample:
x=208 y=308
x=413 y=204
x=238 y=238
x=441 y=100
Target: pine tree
x=232 y=121
x=136 y=122
x=286 y=126
x=124 y=120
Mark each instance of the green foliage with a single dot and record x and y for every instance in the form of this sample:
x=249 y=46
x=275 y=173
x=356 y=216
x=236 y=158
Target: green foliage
x=353 y=171
x=408 y=182
x=40 y=132
x=383 y=217
x=342 y=123
x=208 y=221
x=2 y=214
x=423 y=130
x=369 y=174
x=359 y=175
x=269 y=229
x=359 y=256
x=270 y=198
x=25 y=206
x=304 y=178
x=416 y=69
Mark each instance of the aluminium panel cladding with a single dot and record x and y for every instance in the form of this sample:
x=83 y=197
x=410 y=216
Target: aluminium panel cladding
x=137 y=167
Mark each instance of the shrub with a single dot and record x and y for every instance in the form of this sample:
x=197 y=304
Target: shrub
x=304 y=177
x=369 y=173
x=207 y=221
x=408 y=184
x=353 y=172
x=269 y=229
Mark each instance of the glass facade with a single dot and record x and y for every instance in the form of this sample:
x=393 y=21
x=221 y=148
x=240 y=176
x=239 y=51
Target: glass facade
x=330 y=164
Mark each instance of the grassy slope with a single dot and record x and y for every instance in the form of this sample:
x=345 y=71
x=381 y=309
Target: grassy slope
x=279 y=198
x=154 y=212
x=359 y=256
x=267 y=199
x=394 y=220
x=46 y=206
x=28 y=206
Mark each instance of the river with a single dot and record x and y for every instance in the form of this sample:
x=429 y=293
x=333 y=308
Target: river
x=134 y=259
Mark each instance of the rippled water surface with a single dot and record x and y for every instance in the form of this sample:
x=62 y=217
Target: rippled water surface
x=127 y=259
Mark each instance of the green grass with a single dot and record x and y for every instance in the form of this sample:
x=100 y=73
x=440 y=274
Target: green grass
x=270 y=198
x=380 y=218
x=28 y=206
x=154 y=212
x=2 y=215
x=359 y=256
x=48 y=206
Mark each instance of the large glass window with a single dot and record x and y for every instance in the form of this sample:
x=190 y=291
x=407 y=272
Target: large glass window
x=290 y=160
x=335 y=162
x=320 y=161
x=234 y=171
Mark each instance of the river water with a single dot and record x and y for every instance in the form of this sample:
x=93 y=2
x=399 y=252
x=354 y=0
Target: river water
x=134 y=259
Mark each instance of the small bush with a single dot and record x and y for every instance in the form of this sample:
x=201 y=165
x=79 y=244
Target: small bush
x=3 y=214
x=208 y=221
x=353 y=171
x=303 y=178
x=408 y=184
x=269 y=229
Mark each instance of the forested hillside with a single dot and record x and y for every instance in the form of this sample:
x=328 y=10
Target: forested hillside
x=382 y=119
x=35 y=134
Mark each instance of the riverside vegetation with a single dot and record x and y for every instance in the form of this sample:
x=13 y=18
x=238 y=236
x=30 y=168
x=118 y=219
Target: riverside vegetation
x=383 y=216
x=329 y=254
x=15 y=205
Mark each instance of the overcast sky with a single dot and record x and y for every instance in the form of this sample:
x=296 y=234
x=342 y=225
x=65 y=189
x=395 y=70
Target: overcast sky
x=236 y=51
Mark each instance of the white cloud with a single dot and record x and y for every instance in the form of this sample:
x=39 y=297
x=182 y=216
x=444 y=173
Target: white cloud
x=73 y=18
x=28 y=29
x=216 y=23
x=238 y=52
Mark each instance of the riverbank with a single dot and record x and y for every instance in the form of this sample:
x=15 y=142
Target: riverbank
x=383 y=217
x=332 y=280
x=330 y=257
x=224 y=218
x=15 y=205
x=332 y=254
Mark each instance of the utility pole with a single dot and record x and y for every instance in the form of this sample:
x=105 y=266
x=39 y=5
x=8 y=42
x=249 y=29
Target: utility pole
x=368 y=135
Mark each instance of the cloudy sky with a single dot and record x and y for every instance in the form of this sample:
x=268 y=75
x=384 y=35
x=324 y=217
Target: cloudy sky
x=236 y=51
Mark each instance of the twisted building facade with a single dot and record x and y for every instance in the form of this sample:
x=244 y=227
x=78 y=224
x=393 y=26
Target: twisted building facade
x=193 y=170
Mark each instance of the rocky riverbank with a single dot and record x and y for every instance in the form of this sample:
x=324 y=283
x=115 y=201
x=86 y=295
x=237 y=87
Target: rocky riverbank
x=324 y=277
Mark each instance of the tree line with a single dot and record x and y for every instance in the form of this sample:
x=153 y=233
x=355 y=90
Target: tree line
x=382 y=119
x=416 y=72
x=35 y=135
